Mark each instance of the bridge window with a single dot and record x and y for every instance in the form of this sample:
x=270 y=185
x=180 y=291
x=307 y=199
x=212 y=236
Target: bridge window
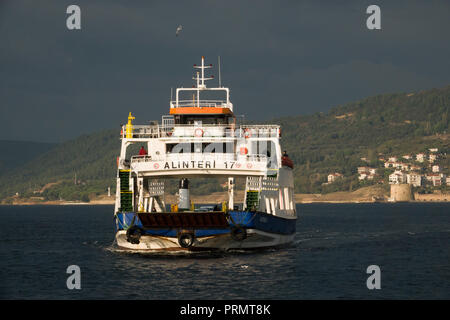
x=227 y=147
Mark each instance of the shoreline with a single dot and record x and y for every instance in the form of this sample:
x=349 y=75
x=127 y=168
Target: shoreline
x=303 y=202
x=111 y=203
x=372 y=194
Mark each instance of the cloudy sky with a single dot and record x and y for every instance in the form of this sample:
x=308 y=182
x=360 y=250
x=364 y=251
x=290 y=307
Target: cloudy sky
x=279 y=58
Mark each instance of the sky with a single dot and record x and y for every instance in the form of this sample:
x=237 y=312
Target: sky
x=279 y=58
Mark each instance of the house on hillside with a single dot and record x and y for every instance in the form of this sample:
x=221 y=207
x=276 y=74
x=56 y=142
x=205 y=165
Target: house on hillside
x=366 y=173
x=397 y=177
x=420 y=157
x=432 y=158
x=435 y=179
x=414 y=179
x=434 y=150
x=436 y=168
x=407 y=157
x=333 y=176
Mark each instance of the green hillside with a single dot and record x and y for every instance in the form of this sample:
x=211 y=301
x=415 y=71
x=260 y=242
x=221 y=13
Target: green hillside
x=91 y=158
x=391 y=124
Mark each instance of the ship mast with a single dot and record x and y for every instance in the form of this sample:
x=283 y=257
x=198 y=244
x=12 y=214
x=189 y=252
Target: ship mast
x=201 y=80
x=200 y=85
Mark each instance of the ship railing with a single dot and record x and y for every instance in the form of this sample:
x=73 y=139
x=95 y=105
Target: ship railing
x=201 y=131
x=201 y=104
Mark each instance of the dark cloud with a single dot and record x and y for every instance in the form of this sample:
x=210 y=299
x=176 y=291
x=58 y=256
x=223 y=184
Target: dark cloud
x=279 y=58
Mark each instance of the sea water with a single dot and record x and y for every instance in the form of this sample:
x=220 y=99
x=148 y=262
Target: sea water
x=333 y=247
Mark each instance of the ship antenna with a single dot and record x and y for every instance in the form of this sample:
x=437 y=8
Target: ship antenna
x=220 y=78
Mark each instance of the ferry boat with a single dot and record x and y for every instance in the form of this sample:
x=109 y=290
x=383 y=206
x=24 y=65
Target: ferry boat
x=202 y=138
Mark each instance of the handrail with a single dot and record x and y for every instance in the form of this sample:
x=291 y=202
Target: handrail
x=207 y=130
x=200 y=103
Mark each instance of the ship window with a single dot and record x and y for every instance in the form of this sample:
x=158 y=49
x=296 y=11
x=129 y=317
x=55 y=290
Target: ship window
x=227 y=147
x=205 y=120
x=179 y=147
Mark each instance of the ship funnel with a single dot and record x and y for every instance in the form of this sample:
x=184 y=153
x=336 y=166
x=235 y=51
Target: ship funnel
x=184 y=202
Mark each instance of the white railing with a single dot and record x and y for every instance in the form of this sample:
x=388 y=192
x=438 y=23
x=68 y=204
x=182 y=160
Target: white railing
x=201 y=103
x=203 y=131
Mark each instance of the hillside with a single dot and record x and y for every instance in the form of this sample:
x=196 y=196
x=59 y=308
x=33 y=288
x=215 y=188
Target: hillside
x=387 y=124
x=319 y=144
x=91 y=158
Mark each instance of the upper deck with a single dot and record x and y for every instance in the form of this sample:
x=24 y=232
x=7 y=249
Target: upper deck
x=199 y=131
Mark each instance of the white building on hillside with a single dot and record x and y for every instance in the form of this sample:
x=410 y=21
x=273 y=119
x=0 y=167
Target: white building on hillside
x=414 y=179
x=333 y=176
x=435 y=179
x=397 y=177
x=432 y=158
x=420 y=157
x=436 y=168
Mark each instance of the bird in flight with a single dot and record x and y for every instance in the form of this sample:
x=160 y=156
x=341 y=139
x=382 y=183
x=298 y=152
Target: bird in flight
x=179 y=28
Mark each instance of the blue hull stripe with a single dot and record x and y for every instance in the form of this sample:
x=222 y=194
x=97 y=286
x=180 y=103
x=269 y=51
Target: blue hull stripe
x=250 y=220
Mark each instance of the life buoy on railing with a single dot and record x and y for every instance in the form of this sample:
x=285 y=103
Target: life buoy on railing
x=198 y=132
x=243 y=150
x=247 y=133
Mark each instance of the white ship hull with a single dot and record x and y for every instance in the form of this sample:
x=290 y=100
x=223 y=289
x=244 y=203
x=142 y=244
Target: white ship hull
x=255 y=239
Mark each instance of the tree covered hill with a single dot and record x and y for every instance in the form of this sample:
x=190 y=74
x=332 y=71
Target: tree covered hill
x=90 y=159
x=391 y=124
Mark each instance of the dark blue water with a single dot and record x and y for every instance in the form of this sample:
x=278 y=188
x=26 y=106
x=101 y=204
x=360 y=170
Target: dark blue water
x=328 y=260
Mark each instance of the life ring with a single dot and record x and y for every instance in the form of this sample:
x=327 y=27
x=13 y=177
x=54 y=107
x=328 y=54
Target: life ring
x=134 y=234
x=238 y=233
x=198 y=132
x=186 y=240
x=243 y=150
x=247 y=133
